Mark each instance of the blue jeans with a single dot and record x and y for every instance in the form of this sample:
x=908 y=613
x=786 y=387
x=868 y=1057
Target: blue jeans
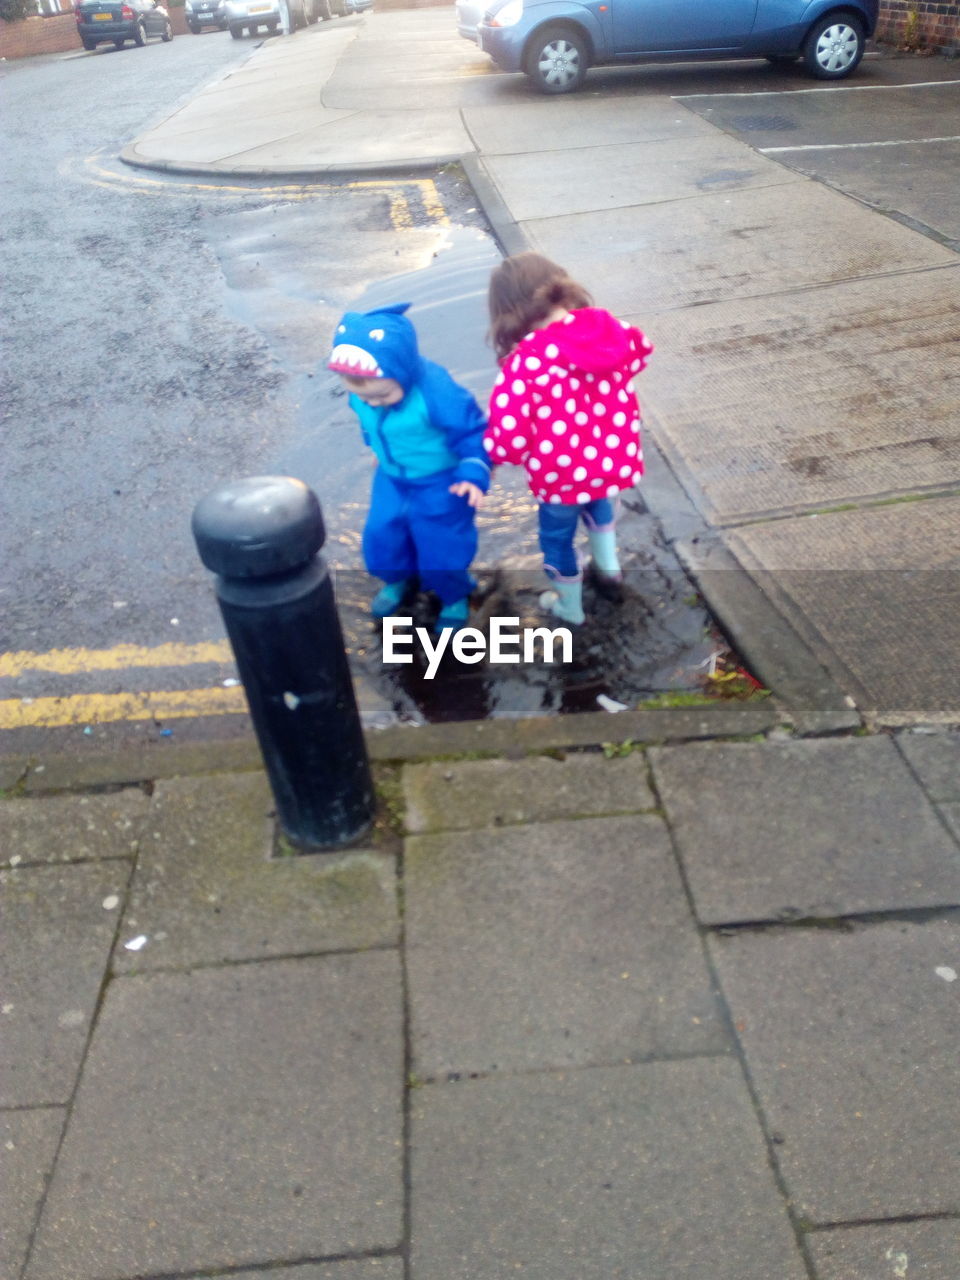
x=558 y=529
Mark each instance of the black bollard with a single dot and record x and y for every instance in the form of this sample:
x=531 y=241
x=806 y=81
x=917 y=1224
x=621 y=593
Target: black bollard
x=261 y=537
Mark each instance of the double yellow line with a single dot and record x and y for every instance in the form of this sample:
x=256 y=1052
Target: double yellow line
x=49 y=712
x=402 y=193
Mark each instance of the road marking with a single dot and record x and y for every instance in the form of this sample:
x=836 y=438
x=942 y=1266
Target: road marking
x=101 y=708
x=847 y=146
x=71 y=661
x=849 y=88
x=401 y=192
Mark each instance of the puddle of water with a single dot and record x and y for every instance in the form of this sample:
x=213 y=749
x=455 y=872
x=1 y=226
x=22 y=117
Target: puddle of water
x=658 y=640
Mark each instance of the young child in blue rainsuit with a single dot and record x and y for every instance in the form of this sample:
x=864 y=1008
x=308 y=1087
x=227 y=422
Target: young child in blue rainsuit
x=427 y=433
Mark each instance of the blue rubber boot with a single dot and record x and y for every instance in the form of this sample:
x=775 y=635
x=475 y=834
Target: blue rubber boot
x=453 y=616
x=603 y=549
x=389 y=598
x=565 y=600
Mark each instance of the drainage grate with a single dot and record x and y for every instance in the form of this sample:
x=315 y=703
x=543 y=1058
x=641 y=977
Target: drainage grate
x=763 y=124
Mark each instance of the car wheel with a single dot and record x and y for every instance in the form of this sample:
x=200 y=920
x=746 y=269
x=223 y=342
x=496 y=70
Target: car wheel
x=140 y=35
x=833 y=48
x=557 y=60
x=167 y=34
x=236 y=31
x=118 y=44
x=89 y=44
x=195 y=28
x=271 y=28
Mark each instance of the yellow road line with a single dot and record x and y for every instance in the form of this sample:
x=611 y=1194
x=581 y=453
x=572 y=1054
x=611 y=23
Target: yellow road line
x=393 y=187
x=70 y=661
x=101 y=708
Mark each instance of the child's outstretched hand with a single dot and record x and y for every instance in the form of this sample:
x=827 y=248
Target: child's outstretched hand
x=464 y=489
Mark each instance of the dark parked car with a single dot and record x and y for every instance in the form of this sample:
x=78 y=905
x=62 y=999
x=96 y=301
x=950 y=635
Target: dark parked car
x=114 y=22
x=555 y=41
x=205 y=13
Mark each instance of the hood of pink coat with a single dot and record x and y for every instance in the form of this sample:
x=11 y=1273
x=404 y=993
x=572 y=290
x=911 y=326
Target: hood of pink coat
x=590 y=339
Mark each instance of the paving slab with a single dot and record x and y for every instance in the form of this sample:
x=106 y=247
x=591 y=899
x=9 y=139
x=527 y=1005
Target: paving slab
x=206 y=889
x=72 y=828
x=656 y=1170
x=414 y=59
x=59 y=925
x=951 y=813
x=538 y=184
x=564 y=124
x=649 y=259
x=891 y=1251
x=821 y=395
x=851 y=1040
x=361 y=1269
x=28 y=1146
x=877 y=591
x=362 y=140
x=827 y=827
x=233 y=1116
x=935 y=759
x=198 y=141
x=67 y=771
x=915 y=182
x=455 y=795
x=552 y=945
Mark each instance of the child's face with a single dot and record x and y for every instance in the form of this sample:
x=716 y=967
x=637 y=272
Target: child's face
x=379 y=393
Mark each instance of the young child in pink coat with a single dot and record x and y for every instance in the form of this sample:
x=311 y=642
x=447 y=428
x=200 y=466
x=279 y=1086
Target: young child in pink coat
x=563 y=407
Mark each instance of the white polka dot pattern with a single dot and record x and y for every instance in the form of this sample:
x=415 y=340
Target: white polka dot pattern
x=563 y=399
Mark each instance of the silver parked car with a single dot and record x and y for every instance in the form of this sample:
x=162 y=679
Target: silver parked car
x=249 y=15
x=205 y=13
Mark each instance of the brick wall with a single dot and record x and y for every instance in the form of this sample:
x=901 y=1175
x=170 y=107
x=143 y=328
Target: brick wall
x=923 y=24
x=56 y=34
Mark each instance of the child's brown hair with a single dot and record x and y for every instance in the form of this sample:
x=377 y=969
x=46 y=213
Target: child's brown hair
x=524 y=290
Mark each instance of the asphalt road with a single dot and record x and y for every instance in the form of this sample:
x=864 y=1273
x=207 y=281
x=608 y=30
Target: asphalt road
x=161 y=338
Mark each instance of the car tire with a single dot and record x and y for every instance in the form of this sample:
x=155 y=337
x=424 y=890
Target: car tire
x=271 y=28
x=89 y=44
x=833 y=47
x=194 y=28
x=167 y=34
x=556 y=59
x=118 y=44
x=140 y=35
x=236 y=31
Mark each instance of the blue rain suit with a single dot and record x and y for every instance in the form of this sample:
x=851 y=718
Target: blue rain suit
x=428 y=441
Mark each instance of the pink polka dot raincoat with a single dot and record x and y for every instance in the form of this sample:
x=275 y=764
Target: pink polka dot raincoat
x=563 y=407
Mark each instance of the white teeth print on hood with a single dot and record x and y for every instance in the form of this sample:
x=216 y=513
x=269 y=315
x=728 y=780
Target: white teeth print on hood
x=346 y=358
x=384 y=340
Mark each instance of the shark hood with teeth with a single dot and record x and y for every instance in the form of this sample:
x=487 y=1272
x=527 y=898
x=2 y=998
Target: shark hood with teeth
x=378 y=344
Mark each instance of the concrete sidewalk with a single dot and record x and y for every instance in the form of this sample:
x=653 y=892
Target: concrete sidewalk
x=683 y=1012
x=666 y=995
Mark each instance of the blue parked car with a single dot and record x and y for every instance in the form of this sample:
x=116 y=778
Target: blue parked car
x=555 y=41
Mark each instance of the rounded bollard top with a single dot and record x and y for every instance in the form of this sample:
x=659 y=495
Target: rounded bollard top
x=257 y=527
